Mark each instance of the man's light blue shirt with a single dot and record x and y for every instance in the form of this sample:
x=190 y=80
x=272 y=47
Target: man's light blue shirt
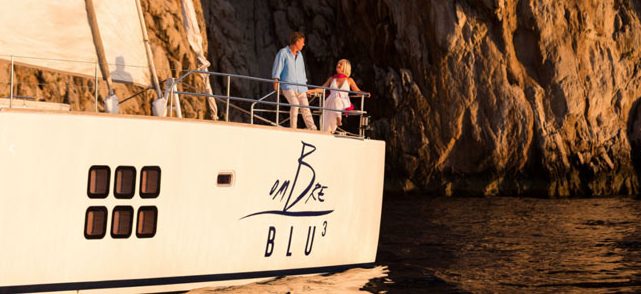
x=290 y=68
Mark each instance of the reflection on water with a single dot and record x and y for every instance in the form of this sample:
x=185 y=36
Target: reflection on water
x=491 y=245
x=511 y=245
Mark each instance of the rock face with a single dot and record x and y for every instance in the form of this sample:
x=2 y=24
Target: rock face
x=485 y=97
x=478 y=97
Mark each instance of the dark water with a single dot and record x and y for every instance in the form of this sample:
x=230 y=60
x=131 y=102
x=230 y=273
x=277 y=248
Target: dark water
x=510 y=245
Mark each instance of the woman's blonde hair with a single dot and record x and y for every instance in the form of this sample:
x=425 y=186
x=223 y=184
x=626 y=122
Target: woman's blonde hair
x=347 y=70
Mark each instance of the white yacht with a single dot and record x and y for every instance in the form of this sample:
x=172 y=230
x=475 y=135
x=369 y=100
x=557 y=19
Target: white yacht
x=94 y=202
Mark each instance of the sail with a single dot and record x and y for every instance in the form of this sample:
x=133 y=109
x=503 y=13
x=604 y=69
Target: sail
x=56 y=35
x=195 y=39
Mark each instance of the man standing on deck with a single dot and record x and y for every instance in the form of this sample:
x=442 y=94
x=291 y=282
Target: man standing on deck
x=289 y=66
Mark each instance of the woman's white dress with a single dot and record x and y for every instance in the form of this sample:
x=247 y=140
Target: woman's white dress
x=336 y=100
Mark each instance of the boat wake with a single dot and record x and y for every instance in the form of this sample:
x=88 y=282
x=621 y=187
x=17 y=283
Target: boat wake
x=350 y=281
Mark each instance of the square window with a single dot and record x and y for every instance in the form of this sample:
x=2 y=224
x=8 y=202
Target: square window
x=98 y=184
x=147 y=219
x=150 y=182
x=122 y=221
x=125 y=182
x=95 y=222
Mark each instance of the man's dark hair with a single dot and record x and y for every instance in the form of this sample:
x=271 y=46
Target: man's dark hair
x=295 y=36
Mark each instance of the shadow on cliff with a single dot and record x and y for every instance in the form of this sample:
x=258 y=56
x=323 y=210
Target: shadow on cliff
x=633 y=133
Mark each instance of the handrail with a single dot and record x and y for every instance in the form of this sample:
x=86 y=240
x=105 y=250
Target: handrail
x=11 y=85
x=227 y=98
x=172 y=91
x=254 y=104
x=220 y=74
x=257 y=116
x=15 y=60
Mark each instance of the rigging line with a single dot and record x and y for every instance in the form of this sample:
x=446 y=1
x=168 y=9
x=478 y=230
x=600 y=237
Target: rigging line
x=134 y=95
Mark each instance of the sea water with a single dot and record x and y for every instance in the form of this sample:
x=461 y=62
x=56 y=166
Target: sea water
x=492 y=245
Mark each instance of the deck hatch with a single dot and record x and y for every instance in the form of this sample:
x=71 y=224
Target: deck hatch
x=96 y=222
x=125 y=182
x=121 y=221
x=147 y=219
x=98 y=183
x=150 y=182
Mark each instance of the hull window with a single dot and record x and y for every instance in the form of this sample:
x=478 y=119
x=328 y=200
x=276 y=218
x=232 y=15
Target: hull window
x=150 y=182
x=96 y=222
x=121 y=221
x=98 y=186
x=147 y=218
x=125 y=182
x=225 y=179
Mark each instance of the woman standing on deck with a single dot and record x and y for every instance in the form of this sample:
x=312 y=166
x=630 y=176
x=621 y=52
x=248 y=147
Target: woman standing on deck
x=338 y=100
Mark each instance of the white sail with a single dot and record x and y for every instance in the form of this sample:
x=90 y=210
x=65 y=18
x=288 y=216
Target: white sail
x=195 y=39
x=56 y=35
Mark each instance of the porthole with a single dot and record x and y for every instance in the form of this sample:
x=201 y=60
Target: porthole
x=98 y=183
x=125 y=182
x=225 y=179
x=121 y=221
x=150 y=182
x=147 y=219
x=95 y=222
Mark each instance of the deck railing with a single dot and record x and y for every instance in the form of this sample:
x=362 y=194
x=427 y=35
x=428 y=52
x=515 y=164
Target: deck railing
x=14 y=59
x=257 y=106
x=277 y=104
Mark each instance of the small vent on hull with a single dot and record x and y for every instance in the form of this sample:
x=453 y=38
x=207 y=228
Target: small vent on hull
x=225 y=179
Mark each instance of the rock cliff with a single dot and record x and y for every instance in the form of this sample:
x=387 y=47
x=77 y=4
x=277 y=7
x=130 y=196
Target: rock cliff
x=485 y=97
x=478 y=97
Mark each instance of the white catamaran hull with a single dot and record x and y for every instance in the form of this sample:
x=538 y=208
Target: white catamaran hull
x=298 y=202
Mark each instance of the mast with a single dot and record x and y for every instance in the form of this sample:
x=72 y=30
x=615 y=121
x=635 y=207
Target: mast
x=100 y=49
x=150 y=60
